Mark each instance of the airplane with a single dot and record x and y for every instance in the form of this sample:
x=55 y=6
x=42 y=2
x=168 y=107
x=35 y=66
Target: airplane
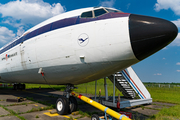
x=81 y=46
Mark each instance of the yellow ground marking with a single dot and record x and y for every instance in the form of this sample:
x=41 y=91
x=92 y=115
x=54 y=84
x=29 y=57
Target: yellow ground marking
x=51 y=115
x=48 y=113
x=56 y=114
x=68 y=117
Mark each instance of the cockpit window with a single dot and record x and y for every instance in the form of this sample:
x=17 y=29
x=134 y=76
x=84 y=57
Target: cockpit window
x=87 y=14
x=110 y=10
x=99 y=12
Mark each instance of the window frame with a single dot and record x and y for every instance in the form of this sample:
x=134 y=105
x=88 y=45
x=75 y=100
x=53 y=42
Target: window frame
x=101 y=14
x=88 y=17
x=113 y=10
x=104 y=8
x=93 y=14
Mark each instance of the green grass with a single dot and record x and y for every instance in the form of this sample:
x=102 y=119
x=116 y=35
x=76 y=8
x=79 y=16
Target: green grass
x=33 y=86
x=89 y=88
x=170 y=95
x=171 y=113
x=56 y=87
x=12 y=113
x=163 y=94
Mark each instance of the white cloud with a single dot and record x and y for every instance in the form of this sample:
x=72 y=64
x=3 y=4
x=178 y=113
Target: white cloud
x=178 y=63
x=174 y=5
x=176 y=42
x=178 y=70
x=23 y=14
x=107 y=3
x=6 y=35
x=177 y=22
x=165 y=48
x=30 y=11
x=11 y=21
x=128 y=5
x=158 y=74
x=20 y=31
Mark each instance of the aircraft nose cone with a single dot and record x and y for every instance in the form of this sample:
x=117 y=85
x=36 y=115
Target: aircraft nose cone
x=149 y=34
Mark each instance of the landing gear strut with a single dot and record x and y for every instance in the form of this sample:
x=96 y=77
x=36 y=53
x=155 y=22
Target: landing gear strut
x=66 y=103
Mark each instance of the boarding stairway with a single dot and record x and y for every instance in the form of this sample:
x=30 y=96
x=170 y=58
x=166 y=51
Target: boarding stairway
x=129 y=84
x=122 y=85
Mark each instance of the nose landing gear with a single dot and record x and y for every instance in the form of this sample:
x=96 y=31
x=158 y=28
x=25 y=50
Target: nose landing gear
x=66 y=104
x=62 y=105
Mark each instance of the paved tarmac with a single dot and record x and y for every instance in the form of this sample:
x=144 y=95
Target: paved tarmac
x=37 y=106
x=39 y=102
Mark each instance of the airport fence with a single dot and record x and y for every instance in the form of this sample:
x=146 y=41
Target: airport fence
x=160 y=85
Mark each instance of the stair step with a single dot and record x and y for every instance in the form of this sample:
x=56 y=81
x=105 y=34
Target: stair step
x=129 y=91
x=118 y=75
x=127 y=87
x=122 y=81
x=123 y=85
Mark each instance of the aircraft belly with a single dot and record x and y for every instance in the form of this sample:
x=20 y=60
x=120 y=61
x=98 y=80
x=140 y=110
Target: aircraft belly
x=67 y=74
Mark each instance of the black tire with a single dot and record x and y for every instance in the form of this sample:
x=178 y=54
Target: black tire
x=72 y=104
x=62 y=106
x=23 y=86
x=19 y=86
x=94 y=117
x=15 y=87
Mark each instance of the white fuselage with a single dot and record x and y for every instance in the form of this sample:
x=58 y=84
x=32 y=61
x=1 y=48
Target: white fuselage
x=67 y=60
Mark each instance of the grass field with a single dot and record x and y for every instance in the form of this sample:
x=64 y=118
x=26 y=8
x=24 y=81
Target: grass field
x=89 y=88
x=168 y=95
x=159 y=94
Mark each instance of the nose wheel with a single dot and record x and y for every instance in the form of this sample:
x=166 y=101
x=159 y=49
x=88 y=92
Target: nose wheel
x=66 y=104
x=72 y=104
x=62 y=106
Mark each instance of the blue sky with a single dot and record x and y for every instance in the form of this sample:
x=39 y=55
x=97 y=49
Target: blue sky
x=16 y=16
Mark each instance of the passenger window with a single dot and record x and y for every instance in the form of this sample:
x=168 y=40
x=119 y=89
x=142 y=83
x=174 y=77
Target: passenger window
x=87 y=14
x=99 y=12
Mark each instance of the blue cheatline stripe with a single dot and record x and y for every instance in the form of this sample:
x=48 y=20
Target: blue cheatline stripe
x=127 y=78
x=60 y=24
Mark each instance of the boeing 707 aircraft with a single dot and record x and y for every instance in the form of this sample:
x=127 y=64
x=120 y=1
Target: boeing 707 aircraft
x=82 y=46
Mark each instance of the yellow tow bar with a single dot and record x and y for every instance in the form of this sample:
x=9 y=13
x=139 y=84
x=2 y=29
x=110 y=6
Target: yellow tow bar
x=100 y=107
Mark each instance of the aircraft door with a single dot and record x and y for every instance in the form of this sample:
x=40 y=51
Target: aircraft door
x=22 y=53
